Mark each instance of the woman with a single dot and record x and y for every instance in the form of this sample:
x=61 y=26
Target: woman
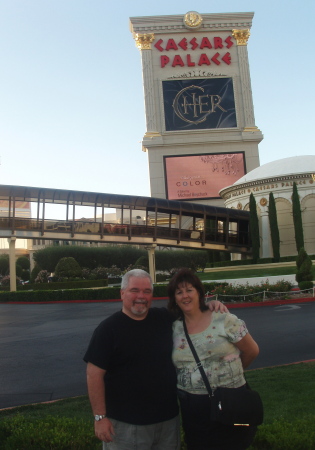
x=224 y=347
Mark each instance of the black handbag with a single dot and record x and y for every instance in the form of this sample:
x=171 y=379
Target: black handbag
x=231 y=406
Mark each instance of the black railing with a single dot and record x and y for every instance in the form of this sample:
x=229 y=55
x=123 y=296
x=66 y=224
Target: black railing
x=134 y=230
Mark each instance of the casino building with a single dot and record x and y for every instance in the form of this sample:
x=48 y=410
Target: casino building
x=278 y=177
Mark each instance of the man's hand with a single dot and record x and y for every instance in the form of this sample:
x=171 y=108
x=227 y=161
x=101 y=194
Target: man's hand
x=104 y=430
x=215 y=305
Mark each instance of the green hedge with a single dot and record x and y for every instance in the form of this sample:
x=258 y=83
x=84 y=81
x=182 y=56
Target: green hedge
x=303 y=285
x=92 y=257
x=113 y=292
x=77 y=284
x=107 y=293
x=160 y=277
x=114 y=280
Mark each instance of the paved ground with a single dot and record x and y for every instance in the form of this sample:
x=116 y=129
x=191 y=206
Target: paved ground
x=41 y=346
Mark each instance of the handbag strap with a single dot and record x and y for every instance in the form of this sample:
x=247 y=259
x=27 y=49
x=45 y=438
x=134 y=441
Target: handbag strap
x=199 y=365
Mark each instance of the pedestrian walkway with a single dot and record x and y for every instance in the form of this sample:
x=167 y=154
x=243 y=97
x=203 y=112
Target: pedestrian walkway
x=257 y=280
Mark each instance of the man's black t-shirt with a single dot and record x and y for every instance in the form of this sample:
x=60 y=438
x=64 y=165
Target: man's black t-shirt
x=140 y=380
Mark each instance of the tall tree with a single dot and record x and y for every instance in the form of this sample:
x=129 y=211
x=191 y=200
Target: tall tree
x=254 y=228
x=297 y=219
x=274 y=229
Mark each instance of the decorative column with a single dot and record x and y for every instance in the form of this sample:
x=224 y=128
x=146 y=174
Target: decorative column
x=12 y=266
x=265 y=248
x=151 y=256
x=32 y=262
x=143 y=42
x=241 y=37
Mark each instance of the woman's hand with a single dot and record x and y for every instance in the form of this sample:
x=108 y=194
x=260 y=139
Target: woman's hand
x=216 y=306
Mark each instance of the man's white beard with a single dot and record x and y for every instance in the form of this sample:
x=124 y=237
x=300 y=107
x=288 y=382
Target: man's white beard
x=140 y=308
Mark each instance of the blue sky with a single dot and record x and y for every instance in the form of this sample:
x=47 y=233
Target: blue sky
x=71 y=99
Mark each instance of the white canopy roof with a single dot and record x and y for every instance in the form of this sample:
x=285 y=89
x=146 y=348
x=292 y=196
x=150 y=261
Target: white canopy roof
x=287 y=166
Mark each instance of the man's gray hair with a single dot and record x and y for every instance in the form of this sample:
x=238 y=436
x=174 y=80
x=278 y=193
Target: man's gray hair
x=139 y=273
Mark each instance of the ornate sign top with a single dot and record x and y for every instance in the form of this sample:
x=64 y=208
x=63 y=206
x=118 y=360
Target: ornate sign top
x=192 y=19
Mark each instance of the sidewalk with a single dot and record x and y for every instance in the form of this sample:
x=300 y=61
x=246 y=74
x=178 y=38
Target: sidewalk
x=256 y=280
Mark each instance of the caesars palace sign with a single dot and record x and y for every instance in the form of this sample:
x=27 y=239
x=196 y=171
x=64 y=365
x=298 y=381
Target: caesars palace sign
x=192 y=44
x=207 y=101
x=197 y=68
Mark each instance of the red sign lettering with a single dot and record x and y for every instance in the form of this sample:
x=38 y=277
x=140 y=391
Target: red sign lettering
x=171 y=45
x=205 y=43
x=204 y=59
x=164 y=60
x=177 y=61
x=193 y=44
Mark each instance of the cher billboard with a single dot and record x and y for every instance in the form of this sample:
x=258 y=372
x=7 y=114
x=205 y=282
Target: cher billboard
x=193 y=177
x=199 y=104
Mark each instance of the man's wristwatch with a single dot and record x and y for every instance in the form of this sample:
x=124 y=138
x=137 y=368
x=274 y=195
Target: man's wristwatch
x=98 y=417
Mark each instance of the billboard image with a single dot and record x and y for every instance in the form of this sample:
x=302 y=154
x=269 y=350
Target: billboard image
x=197 y=104
x=194 y=177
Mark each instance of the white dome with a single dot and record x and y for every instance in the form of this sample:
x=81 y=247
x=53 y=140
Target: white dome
x=287 y=166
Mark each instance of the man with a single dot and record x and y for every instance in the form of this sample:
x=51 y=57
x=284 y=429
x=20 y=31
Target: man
x=130 y=375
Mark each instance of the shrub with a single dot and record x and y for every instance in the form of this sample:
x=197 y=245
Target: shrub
x=143 y=261
x=304 y=267
x=167 y=260
x=119 y=255
x=42 y=276
x=68 y=268
x=49 y=295
x=100 y=273
x=68 y=284
x=35 y=273
x=4 y=264
x=18 y=270
x=114 y=271
x=77 y=290
x=304 y=285
x=25 y=275
x=86 y=273
x=6 y=280
x=24 y=262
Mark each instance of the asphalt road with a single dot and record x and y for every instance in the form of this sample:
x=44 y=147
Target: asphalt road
x=41 y=346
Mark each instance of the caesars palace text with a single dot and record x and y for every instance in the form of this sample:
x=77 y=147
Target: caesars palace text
x=193 y=44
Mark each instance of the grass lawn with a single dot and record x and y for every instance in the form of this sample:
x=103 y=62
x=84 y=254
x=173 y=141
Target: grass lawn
x=288 y=394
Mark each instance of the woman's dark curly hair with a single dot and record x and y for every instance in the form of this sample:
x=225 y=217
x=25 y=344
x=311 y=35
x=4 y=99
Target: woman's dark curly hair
x=184 y=276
